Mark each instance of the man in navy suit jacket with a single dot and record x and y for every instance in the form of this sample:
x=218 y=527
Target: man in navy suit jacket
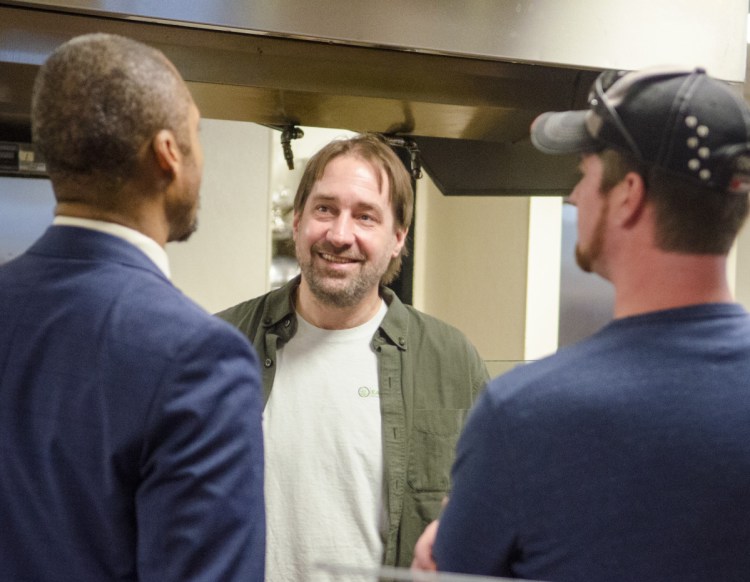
x=130 y=419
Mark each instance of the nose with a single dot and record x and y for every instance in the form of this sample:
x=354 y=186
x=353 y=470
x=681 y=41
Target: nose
x=341 y=233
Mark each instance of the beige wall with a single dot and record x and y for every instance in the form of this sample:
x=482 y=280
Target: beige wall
x=471 y=270
x=227 y=259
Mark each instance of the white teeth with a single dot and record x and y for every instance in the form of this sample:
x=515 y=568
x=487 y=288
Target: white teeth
x=334 y=259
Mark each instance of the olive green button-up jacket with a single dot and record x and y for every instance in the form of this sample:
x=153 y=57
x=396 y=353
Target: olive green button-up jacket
x=429 y=376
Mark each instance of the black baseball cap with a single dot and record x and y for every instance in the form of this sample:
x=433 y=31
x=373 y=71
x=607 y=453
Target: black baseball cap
x=682 y=121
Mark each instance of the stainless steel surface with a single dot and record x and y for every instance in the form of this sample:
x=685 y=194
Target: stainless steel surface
x=614 y=34
x=279 y=81
x=463 y=72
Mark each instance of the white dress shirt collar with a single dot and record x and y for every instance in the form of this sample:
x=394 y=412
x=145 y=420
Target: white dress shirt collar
x=146 y=245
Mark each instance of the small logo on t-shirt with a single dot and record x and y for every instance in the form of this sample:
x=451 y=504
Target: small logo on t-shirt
x=365 y=392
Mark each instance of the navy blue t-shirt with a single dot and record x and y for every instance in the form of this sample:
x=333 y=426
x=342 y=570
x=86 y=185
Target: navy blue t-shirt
x=623 y=457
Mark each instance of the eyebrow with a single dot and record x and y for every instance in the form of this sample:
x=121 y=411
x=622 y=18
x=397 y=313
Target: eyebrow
x=323 y=197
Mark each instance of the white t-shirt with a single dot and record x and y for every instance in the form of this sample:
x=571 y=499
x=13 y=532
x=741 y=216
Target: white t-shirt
x=324 y=454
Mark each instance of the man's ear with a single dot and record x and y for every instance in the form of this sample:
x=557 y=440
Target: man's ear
x=631 y=199
x=295 y=224
x=166 y=152
x=401 y=234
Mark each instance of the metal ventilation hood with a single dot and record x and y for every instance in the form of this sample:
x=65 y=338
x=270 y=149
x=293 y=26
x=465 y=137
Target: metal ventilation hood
x=463 y=80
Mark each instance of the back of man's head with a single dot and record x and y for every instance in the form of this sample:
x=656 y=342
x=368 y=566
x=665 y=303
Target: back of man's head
x=97 y=100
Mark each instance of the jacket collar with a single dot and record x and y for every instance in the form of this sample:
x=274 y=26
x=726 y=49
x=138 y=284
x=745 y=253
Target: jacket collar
x=70 y=242
x=280 y=308
x=279 y=305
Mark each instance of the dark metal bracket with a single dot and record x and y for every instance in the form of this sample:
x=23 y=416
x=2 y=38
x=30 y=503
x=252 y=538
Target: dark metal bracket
x=287 y=135
x=415 y=159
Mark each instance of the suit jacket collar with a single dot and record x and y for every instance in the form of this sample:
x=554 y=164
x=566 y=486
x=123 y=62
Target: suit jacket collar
x=70 y=242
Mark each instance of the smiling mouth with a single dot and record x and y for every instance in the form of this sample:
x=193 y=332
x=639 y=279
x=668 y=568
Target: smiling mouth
x=337 y=259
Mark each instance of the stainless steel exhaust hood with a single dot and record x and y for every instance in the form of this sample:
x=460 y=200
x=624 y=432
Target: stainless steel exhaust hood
x=461 y=79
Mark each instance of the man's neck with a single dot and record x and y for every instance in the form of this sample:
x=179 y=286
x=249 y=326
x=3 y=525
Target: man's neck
x=665 y=280
x=327 y=316
x=144 y=220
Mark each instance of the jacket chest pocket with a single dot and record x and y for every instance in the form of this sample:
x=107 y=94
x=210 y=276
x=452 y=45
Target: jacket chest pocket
x=432 y=448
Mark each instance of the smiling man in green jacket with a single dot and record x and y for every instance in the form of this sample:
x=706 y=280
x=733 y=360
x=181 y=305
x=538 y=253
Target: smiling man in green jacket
x=365 y=396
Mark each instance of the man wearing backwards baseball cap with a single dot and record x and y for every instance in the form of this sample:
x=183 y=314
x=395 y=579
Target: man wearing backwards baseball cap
x=627 y=455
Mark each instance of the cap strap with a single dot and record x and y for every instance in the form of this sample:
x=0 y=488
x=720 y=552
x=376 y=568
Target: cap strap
x=602 y=99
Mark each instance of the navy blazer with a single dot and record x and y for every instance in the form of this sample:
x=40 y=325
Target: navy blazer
x=130 y=423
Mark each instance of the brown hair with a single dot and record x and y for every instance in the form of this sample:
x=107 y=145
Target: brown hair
x=690 y=218
x=97 y=99
x=375 y=151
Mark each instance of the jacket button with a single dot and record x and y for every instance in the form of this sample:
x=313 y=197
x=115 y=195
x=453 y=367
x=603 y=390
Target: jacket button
x=267 y=320
x=287 y=323
x=401 y=341
x=268 y=362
